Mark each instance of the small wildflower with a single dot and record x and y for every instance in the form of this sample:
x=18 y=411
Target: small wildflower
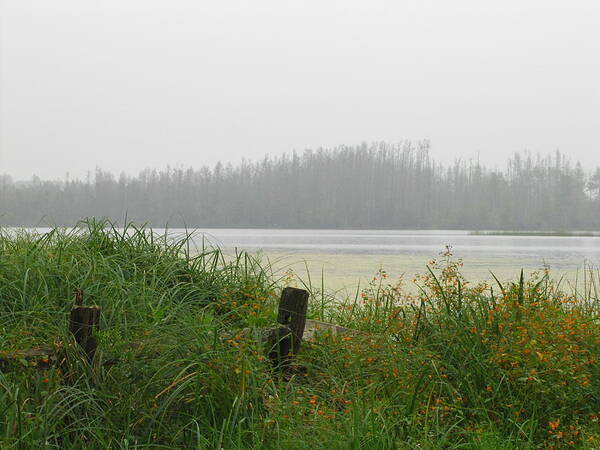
x=554 y=425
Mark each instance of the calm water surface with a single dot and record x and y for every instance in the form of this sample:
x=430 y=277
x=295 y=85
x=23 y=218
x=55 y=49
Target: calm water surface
x=344 y=257
x=410 y=242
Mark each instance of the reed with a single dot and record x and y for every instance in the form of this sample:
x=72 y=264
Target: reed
x=510 y=365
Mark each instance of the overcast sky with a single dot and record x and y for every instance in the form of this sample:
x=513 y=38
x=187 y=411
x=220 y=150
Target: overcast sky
x=129 y=84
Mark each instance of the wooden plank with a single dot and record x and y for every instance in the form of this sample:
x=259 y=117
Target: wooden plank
x=315 y=327
x=40 y=358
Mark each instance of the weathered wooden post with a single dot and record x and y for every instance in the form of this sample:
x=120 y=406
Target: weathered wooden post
x=285 y=340
x=83 y=322
x=292 y=313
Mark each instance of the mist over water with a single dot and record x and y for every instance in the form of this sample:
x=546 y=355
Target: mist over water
x=410 y=242
x=348 y=257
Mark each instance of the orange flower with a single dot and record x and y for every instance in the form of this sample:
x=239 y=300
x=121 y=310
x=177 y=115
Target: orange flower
x=554 y=425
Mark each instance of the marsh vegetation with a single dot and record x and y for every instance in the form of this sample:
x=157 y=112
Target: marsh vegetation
x=508 y=365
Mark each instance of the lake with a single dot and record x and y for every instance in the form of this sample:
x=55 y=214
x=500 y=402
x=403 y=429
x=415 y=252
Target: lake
x=346 y=256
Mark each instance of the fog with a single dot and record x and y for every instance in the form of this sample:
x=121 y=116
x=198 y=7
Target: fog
x=376 y=187
x=129 y=84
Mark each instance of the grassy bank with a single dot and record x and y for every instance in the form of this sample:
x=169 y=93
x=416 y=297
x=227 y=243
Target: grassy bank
x=504 y=366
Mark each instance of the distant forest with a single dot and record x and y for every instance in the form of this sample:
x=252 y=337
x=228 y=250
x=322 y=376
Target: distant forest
x=367 y=186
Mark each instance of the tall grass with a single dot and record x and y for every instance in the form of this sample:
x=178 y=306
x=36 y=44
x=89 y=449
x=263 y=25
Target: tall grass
x=458 y=366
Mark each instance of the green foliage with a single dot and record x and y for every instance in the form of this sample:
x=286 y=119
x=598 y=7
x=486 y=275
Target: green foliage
x=457 y=366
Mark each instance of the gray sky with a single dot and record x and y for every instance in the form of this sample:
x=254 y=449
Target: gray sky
x=128 y=84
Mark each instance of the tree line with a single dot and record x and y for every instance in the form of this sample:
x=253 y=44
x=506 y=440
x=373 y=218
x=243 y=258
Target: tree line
x=393 y=186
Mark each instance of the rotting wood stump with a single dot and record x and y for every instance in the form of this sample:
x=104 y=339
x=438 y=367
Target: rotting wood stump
x=284 y=341
x=84 y=321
